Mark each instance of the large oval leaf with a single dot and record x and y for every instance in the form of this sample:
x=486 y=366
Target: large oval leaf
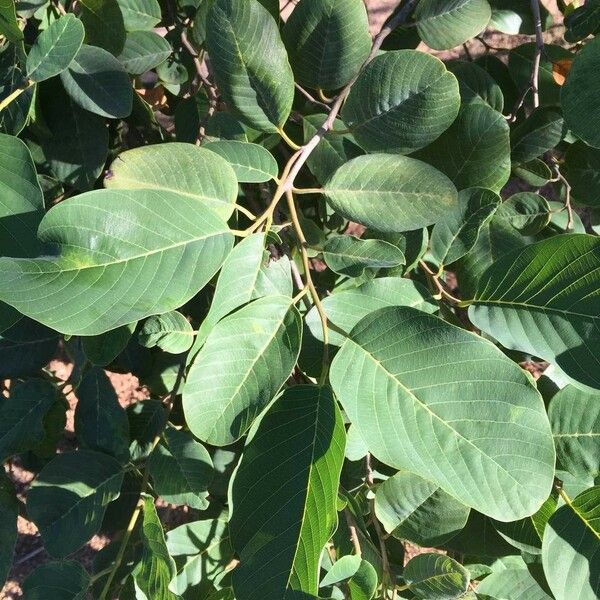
x=177 y=167
x=411 y=384
x=251 y=163
x=246 y=358
x=401 y=102
x=284 y=495
x=512 y=584
x=126 y=245
x=327 y=41
x=390 y=192
x=545 y=300
x=250 y=63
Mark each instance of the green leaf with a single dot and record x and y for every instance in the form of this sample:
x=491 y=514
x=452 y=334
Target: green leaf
x=347 y=307
x=68 y=498
x=390 y=192
x=140 y=15
x=156 y=234
x=412 y=508
x=55 y=48
x=435 y=577
x=444 y=25
x=544 y=300
x=582 y=170
x=527 y=212
x=583 y=21
x=247 y=274
x=571 y=548
x=21 y=199
x=350 y=256
x=401 y=102
x=255 y=349
x=104 y=25
x=142 y=51
x=250 y=63
x=9 y=511
x=9 y=27
x=177 y=167
x=201 y=550
x=327 y=42
x=100 y=421
x=156 y=567
x=536 y=172
x=476 y=85
x=453 y=237
x=97 y=82
x=14 y=117
x=281 y=522
x=389 y=376
x=515 y=16
x=181 y=470
x=147 y=419
x=580 y=92
x=541 y=131
x=102 y=349
x=361 y=576
x=22 y=416
x=575 y=419
x=512 y=584
x=171 y=332
x=57 y=580
x=251 y=163
x=475 y=151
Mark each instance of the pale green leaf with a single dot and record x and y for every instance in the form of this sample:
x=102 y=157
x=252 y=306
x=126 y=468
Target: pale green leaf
x=512 y=584
x=435 y=577
x=170 y=331
x=142 y=51
x=282 y=519
x=360 y=575
x=251 y=163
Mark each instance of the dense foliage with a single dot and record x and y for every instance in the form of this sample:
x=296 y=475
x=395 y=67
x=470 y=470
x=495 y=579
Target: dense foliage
x=334 y=261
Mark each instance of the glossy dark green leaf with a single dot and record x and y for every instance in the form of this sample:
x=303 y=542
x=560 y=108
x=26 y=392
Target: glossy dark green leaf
x=250 y=63
x=22 y=416
x=57 y=580
x=571 y=548
x=444 y=25
x=476 y=85
x=583 y=21
x=582 y=170
x=390 y=192
x=527 y=212
x=170 y=331
x=542 y=300
x=9 y=511
x=102 y=349
x=252 y=163
x=402 y=101
x=104 y=24
x=68 y=498
x=541 y=131
x=255 y=349
x=412 y=508
x=158 y=234
x=181 y=469
x=389 y=376
x=96 y=81
x=142 y=51
x=55 y=48
x=140 y=15
x=327 y=42
x=280 y=523
x=100 y=421
x=535 y=172
x=435 y=577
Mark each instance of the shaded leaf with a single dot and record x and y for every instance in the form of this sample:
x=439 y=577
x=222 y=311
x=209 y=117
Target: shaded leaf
x=104 y=25
x=57 y=580
x=146 y=419
x=9 y=27
x=527 y=212
x=142 y=51
x=102 y=349
x=541 y=131
x=170 y=331
x=476 y=85
x=582 y=170
x=9 y=511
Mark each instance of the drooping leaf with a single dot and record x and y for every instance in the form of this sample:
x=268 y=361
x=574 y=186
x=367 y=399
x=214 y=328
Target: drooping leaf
x=571 y=548
x=102 y=349
x=280 y=523
x=97 y=82
x=347 y=307
x=146 y=420
x=9 y=27
x=350 y=256
x=390 y=192
x=250 y=63
x=178 y=167
x=255 y=349
x=181 y=469
x=578 y=95
x=100 y=421
x=476 y=84
x=68 y=498
x=55 y=48
x=544 y=300
x=475 y=150
x=140 y=15
x=444 y=25
x=401 y=102
x=57 y=580
x=9 y=511
x=251 y=163
x=22 y=416
x=582 y=170
x=540 y=132
x=104 y=24
x=142 y=51
x=435 y=577
x=391 y=375
x=512 y=584
x=412 y=508
x=327 y=42
x=170 y=331
x=133 y=240
x=575 y=419
x=453 y=237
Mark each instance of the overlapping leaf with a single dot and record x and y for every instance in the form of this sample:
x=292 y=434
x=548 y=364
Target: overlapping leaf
x=436 y=577
x=251 y=163
x=170 y=331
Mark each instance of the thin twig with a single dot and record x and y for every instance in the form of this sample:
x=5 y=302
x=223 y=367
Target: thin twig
x=568 y=205
x=311 y=98
x=438 y=284
x=539 y=48
x=353 y=532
